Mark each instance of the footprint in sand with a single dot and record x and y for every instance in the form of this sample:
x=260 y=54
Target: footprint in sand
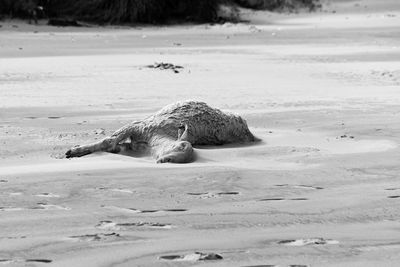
x=46 y=206
x=197 y=194
x=228 y=193
x=14 y=237
x=49 y=195
x=175 y=210
x=40 y=206
x=120 y=190
x=197 y=256
x=204 y=195
x=9 y=261
x=300 y=186
x=39 y=260
x=272 y=199
x=145 y=224
x=95 y=237
x=280 y=198
x=308 y=241
x=110 y=225
x=142 y=211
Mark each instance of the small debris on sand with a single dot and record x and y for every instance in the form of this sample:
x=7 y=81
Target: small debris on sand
x=165 y=66
x=345 y=136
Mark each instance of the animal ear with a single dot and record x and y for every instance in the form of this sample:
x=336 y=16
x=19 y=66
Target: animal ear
x=183 y=133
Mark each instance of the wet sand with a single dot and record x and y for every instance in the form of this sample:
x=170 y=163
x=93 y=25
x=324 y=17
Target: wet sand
x=322 y=188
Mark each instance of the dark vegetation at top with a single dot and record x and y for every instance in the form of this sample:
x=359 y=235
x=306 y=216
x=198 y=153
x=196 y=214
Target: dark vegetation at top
x=137 y=11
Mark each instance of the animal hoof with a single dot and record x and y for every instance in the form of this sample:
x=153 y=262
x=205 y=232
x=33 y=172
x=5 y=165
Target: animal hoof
x=68 y=154
x=164 y=160
x=77 y=151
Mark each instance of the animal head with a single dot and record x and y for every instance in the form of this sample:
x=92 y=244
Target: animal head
x=181 y=151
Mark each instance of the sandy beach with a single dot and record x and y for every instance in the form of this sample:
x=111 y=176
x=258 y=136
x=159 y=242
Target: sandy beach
x=322 y=188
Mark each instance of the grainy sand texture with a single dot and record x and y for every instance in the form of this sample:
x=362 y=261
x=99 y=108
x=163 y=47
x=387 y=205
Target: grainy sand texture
x=322 y=91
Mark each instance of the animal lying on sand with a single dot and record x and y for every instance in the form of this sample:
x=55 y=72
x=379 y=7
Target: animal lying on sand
x=172 y=131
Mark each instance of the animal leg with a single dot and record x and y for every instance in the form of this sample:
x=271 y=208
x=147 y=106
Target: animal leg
x=113 y=144
x=106 y=145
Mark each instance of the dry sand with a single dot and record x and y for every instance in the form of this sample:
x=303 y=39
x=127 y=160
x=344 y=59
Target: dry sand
x=321 y=90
